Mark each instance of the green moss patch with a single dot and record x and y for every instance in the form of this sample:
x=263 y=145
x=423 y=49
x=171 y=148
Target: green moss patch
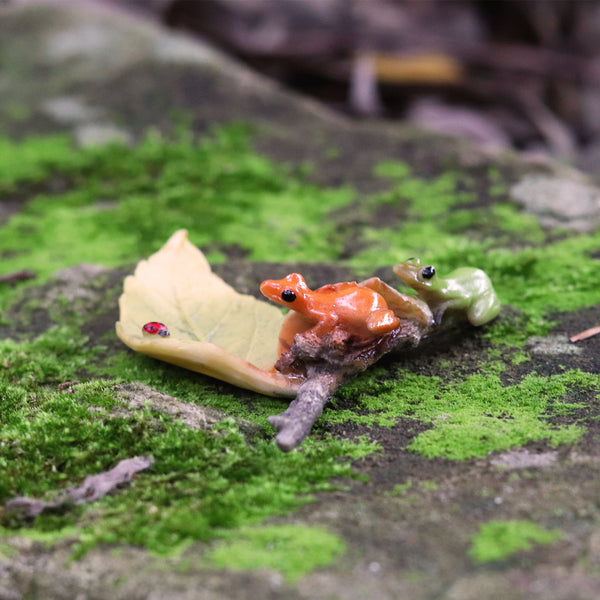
x=34 y=159
x=123 y=203
x=51 y=358
x=497 y=540
x=291 y=549
x=202 y=482
x=469 y=416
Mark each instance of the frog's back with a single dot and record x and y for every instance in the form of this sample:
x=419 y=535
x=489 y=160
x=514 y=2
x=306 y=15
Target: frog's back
x=468 y=274
x=336 y=288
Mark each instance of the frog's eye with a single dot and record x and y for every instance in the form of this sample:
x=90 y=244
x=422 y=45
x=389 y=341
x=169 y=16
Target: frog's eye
x=288 y=295
x=428 y=272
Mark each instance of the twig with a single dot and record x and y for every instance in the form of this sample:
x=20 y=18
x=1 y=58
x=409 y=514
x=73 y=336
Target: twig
x=529 y=59
x=327 y=361
x=364 y=92
x=557 y=134
x=92 y=488
x=12 y=278
x=294 y=424
x=584 y=335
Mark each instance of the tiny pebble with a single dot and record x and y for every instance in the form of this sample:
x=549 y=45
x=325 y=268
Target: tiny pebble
x=374 y=567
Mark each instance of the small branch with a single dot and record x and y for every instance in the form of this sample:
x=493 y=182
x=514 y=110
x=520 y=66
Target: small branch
x=584 y=335
x=327 y=361
x=294 y=424
x=12 y=278
x=92 y=488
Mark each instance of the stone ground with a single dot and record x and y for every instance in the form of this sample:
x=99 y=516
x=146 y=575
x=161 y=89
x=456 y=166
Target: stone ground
x=102 y=76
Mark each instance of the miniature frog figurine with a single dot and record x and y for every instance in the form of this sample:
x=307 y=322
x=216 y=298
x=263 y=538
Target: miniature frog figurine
x=357 y=310
x=467 y=289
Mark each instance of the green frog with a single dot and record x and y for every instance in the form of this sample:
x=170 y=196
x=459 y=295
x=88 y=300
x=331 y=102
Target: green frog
x=466 y=290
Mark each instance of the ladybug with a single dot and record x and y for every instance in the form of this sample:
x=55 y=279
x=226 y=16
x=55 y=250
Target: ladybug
x=154 y=328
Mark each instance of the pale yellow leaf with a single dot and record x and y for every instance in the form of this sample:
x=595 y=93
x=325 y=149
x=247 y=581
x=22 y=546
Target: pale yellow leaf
x=213 y=329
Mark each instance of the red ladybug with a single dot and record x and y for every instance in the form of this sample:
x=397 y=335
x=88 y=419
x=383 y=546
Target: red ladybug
x=154 y=328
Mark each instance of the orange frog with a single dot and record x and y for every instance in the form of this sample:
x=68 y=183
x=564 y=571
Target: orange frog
x=357 y=310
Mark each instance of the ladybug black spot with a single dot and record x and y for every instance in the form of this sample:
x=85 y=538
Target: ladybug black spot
x=288 y=295
x=428 y=272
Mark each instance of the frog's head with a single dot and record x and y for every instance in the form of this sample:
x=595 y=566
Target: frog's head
x=416 y=274
x=289 y=291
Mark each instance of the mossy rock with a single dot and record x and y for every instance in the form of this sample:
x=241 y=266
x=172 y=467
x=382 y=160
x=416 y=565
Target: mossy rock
x=420 y=466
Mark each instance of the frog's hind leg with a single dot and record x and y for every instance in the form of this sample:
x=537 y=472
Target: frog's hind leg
x=382 y=321
x=484 y=310
x=403 y=306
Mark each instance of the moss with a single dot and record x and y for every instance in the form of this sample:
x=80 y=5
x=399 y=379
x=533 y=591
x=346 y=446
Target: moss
x=34 y=159
x=400 y=489
x=293 y=550
x=202 y=482
x=497 y=540
x=115 y=205
x=45 y=538
x=392 y=169
x=123 y=203
x=52 y=357
x=469 y=416
x=429 y=485
x=191 y=387
x=520 y=357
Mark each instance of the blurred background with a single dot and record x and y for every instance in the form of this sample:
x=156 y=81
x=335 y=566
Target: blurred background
x=521 y=74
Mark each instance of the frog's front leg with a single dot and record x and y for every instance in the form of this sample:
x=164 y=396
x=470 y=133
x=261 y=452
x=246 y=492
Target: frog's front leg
x=484 y=309
x=439 y=308
x=326 y=322
x=438 y=312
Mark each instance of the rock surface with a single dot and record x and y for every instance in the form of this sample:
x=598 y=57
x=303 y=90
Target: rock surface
x=409 y=524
